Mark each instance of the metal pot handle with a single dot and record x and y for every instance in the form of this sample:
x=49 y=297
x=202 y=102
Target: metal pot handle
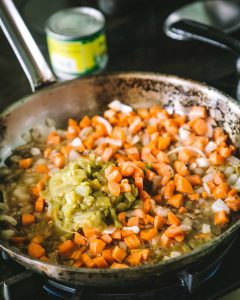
x=30 y=57
x=188 y=29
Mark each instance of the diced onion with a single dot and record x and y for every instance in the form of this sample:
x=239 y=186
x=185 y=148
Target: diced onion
x=35 y=151
x=232 y=179
x=161 y=211
x=76 y=142
x=156 y=183
x=228 y=171
x=107 y=125
x=73 y=155
x=85 y=132
x=174 y=254
x=122 y=245
x=234 y=160
x=8 y=219
x=117 y=105
x=109 y=230
x=202 y=162
x=210 y=147
x=184 y=227
x=115 y=142
x=220 y=205
x=237 y=185
x=209 y=130
x=145 y=139
x=134 y=229
x=206 y=228
x=7 y=234
x=207 y=178
x=180 y=109
x=183 y=133
x=207 y=189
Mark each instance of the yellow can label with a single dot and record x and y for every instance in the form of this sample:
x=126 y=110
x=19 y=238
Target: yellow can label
x=77 y=57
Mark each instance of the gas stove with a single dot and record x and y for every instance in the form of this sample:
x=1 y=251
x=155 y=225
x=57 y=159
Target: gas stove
x=136 y=42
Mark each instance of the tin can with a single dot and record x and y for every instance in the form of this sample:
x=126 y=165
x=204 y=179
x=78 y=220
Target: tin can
x=76 y=42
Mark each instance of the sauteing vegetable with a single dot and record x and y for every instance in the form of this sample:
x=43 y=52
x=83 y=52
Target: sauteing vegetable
x=122 y=189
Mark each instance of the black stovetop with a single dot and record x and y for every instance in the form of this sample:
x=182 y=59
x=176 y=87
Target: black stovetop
x=136 y=42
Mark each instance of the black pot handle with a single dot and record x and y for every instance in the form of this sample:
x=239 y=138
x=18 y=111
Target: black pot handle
x=188 y=29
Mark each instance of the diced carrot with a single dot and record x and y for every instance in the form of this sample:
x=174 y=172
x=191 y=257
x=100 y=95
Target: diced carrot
x=185 y=155
x=117 y=235
x=133 y=221
x=134 y=258
x=233 y=203
x=96 y=246
x=107 y=154
x=106 y=238
x=79 y=239
x=127 y=169
x=126 y=233
x=35 y=250
x=114 y=188
x=221 y=218
x=85 y=122
x=147 y=205
x=53 y=138
x=89 y=142
x=165 y=241
x=179 y=238
x=25 y=163
x=138 y=212
x=173 y=231
x=221 y=191
x=65 y=150
x=194 y=197
x=173 y=219
x=87 y=261
x=125 y=186
x=113 y=174
x=143 y=113
x=159 y=222
x=170 y=126
x=66 y=246
x=119 y=266
x=225 y=151
x=76 y=255
x=162 y=157
x=41 y=168
x=132 y=241
x=200 y=127
x=136 y=125
x=194 y=179
x=133 y=153
x=148 y=234
x=169 y=189
x=28 y=219
x=36 y=190
x=232 y=192
x=58 y=160
x=119 y=254
x=163 y=142
x=122 y=217
x=138 y=181
x=100 y=262
x=39 y=204
x=218 y=135
x=183 y=185
x=149 y=219
x=181 y=168
x=38 y=239
x=73 y=129
x=47 y=152
x=182 y=210
x=107 y=254
x=90 y=232
x=176 y=200
x=216 y=159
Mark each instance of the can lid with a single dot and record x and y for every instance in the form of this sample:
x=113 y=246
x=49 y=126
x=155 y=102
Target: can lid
x=75 y=23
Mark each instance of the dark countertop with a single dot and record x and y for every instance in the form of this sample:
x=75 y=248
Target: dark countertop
x=136 y=42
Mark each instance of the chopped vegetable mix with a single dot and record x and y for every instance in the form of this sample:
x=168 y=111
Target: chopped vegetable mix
x=127 y=188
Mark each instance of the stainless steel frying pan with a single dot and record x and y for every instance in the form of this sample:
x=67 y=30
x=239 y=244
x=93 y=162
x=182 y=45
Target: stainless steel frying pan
x=91 y=95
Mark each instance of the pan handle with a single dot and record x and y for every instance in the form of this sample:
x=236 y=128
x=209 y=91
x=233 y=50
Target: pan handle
x=30 y=57
x=188 y=29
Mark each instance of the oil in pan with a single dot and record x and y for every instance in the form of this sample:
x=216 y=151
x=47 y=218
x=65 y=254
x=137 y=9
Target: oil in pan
x=76 y=42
